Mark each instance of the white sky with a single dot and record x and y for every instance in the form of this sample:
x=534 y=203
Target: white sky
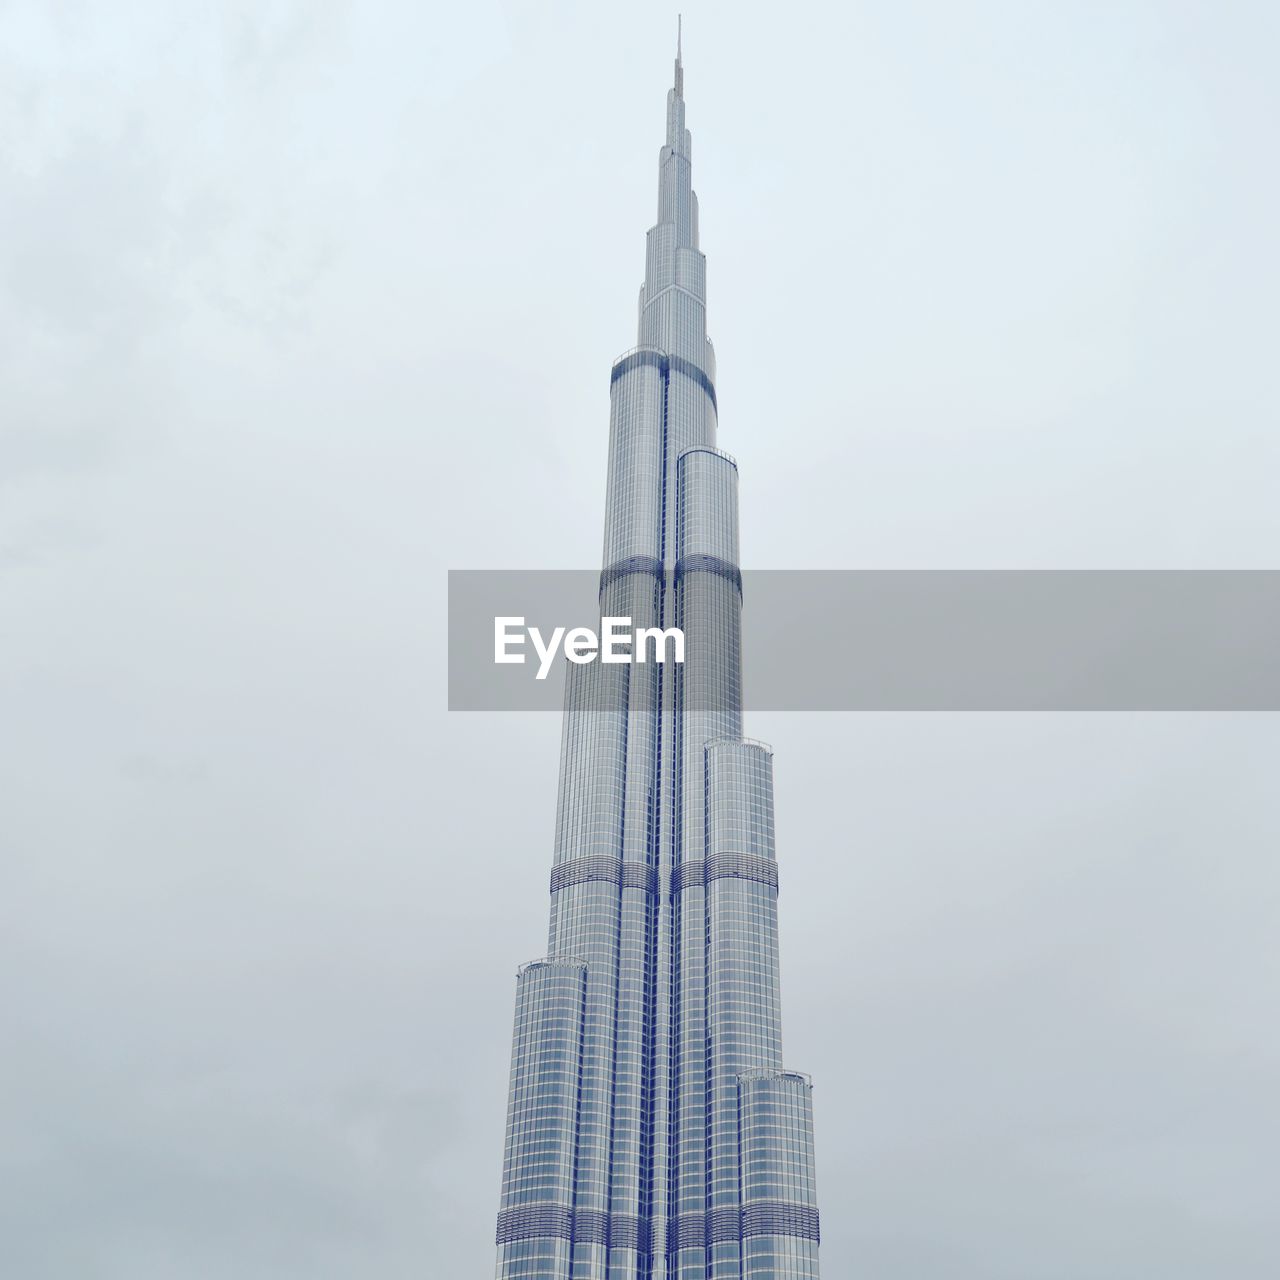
x=302 y=305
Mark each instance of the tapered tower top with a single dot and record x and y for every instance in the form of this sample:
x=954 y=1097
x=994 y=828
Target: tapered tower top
x=679 y=56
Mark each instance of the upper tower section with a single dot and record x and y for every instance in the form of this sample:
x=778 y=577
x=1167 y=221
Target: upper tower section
x=673 y=299
x=676 y=201
x=678 y=138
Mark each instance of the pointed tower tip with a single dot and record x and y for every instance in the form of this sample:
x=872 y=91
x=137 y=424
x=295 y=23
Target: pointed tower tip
x=679 y=55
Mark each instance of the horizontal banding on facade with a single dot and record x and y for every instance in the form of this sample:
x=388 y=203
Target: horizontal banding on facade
x=709 y=564
x=626 y=1231
x=711 y=451
x=590 y=1226
x=586 y=1226
x=782 y=1074
x=688 y=1230
x=551 y=962
x=724 y=1225
x=532 y=1221
x=724 y=866
x=778 y=1218
x=736 y=744
x=632 y=564
x=629 y=875
x=652 y=567
x=766 y=1218
x=666 y=365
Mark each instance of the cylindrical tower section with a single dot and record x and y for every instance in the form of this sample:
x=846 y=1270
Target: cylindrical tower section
x=535 y=1221
x=591 y=800
x=709 y=706
x=635 y=592
x=779 y=1194
x=586 y=921
x=707 y=505
x=743 y=1023
x=634 y=499
x=631 y=586
x=708 y=587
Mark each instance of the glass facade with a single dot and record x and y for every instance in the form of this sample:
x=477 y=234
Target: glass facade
x=652 y=1131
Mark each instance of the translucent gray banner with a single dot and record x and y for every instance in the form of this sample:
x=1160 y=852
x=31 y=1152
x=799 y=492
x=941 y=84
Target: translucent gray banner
x=816 y=640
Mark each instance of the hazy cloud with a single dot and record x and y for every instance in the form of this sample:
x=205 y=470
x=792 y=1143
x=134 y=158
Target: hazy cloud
x=302 y=306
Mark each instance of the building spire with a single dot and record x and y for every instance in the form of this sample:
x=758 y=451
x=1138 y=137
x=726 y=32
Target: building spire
x=679 y=55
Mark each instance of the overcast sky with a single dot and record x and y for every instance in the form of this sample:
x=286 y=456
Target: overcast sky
x=303 y=304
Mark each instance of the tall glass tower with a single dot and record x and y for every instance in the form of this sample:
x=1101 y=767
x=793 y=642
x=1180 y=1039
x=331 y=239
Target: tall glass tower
x=652 y=1130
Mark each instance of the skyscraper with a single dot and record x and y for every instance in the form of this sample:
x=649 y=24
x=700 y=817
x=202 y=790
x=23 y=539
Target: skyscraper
x=652 y=1131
